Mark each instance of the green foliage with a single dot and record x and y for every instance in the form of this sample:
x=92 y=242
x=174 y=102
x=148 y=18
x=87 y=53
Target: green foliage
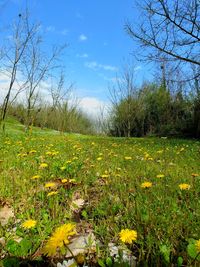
x=165 y=251
x=179 y=261
x=62 y=118
x=21 y=249
x=191 y=250
x=153 y=110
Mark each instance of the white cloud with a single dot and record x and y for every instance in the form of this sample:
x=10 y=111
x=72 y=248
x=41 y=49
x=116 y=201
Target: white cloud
x=137 y=68
x=95 y=66
x=64 y=32
x=85 y=55
x=93 y=106
x=21 y=94
x=82 y=38
x=50 y=28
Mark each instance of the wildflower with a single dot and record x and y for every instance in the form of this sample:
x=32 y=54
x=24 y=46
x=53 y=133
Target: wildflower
x=99 y=158
x=197 y=244
x=104 y=175
x=54 y=153
x=59 y=238
x=73 y=181
x=29 y=224
x=64 y=181
x=184 y=186
x=51 y=184
x=52 y=193
x=146 y=185
x=127 y=158
x=35 y=177
x=32 y=151
x=128 y=236
x=63 y=168
x=43 y=165
x=160 y=176
x=195 y=174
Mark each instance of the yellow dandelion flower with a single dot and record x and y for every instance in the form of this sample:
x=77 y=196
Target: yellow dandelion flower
x=146 y=185
x=52 y=193
x=54 y=153
x=99 y=158
x=127 y=158
x=35 y=177
x=29 y=224
x=33 y=151
x=64 y=181
x=43 y=165
x=104 y=175
x=128 y=236
x=63 y=168
x=72 y=181
x=195 y=174
x=160 y=175
x=197 y=244
x=59 y=238
x=184 y=186
x=51 y=184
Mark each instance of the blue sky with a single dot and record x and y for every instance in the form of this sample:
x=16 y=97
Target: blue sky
x=94 y=31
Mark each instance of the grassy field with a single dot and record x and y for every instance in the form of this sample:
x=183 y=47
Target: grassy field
x=58 y=187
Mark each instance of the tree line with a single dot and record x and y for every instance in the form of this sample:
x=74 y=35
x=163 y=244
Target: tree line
x=168 y=34
x=153 y=109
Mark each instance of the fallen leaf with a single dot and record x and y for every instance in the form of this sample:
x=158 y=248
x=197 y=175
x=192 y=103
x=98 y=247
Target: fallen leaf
x=5 y=214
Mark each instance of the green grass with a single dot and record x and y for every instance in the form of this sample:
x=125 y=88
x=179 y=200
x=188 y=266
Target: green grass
x=108 y=174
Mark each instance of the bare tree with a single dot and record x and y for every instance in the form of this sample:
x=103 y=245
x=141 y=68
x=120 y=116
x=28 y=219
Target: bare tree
x=122 y=99
x=169 y=29
x=37 y=66
x=63 y=103
x=13 y=55
x=60 y=92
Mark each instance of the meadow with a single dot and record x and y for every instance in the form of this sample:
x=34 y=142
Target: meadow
x=138 y=199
